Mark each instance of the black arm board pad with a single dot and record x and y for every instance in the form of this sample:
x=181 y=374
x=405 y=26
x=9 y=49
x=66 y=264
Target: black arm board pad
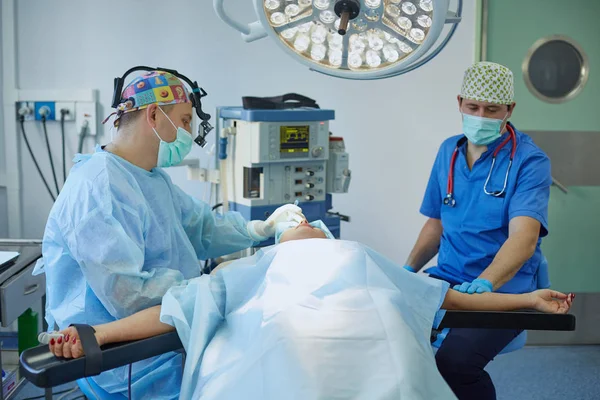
x=528 y=320
x=43 y=369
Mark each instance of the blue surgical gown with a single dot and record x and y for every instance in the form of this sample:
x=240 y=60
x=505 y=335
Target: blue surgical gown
x=309 y=319
x=117 y=238
x=477 y=227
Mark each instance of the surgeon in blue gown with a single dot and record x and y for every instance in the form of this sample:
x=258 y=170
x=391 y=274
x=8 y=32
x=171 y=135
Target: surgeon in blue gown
x=121 y=233
x=486 y=218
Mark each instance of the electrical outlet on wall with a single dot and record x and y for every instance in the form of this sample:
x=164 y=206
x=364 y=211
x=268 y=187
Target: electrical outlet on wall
x=26 y=109
x=45 y=108
x=69 y=107
x=85 y=117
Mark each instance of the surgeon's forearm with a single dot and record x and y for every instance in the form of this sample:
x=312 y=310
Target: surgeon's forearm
x=141 y=325
x=517 y=249
x=428 y=244
x=455 y=300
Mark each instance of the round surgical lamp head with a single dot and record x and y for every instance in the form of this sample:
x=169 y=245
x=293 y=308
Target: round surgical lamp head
x=354 y=39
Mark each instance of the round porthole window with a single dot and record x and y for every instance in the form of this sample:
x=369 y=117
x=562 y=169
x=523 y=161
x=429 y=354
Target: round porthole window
x=555 y=69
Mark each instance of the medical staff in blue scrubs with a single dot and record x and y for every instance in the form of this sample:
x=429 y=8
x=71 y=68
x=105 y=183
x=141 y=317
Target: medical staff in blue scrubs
x=487 y=205
x=121 y=233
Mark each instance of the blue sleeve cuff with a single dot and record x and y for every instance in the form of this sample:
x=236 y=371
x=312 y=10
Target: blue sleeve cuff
x=431 y=213
x=532 y=214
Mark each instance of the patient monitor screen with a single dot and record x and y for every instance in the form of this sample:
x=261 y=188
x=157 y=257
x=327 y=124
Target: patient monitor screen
x=294 y=140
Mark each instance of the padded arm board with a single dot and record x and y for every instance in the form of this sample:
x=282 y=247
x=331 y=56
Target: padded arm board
x=45 y=370
x=528 y=320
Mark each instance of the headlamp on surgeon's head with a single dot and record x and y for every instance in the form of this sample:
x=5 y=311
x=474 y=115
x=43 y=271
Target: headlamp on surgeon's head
x=160 y=86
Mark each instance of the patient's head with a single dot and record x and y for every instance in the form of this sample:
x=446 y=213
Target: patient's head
x=294 y=231
x=303 y=231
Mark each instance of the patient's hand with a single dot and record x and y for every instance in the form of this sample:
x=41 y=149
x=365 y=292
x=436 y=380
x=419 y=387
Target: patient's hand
x=71 y=347
x=551 y=301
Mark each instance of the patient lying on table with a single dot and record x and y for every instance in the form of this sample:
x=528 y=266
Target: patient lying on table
x=310 y=319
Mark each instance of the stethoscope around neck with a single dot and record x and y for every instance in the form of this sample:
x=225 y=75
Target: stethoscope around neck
x=449 y=200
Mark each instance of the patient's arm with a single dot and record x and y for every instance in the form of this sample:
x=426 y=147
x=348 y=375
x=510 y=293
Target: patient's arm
x=545 y=300
x=146 y=323
x=141 y=325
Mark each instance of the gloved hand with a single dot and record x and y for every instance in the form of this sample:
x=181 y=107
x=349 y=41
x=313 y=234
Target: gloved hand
x=262 y=230
x=409 y=269
x=477 y=286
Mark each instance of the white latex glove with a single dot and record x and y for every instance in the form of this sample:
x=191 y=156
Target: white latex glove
x=262 y=230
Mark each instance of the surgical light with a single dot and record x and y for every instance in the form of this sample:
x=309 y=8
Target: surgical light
x=354 y=39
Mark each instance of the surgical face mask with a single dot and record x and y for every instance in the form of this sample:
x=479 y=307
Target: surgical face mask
x=170 y=154
x=284 y=226
x=482 y=131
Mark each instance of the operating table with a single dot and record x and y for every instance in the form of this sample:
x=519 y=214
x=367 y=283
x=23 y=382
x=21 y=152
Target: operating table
x=45 y=370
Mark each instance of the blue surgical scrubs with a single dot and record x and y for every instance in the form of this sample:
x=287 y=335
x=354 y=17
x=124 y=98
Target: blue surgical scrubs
x=475 y=229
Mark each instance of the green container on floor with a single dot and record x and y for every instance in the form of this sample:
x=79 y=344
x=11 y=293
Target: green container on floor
x=28 y=326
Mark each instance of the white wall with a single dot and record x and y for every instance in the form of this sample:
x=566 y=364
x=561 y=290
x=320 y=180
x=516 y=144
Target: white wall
x=3 y=197
x=392 y=127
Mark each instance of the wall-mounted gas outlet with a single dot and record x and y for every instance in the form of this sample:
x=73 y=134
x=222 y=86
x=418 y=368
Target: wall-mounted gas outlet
x=45 y=108
x=85 y=117
x=26 y=109
x=68 y=107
